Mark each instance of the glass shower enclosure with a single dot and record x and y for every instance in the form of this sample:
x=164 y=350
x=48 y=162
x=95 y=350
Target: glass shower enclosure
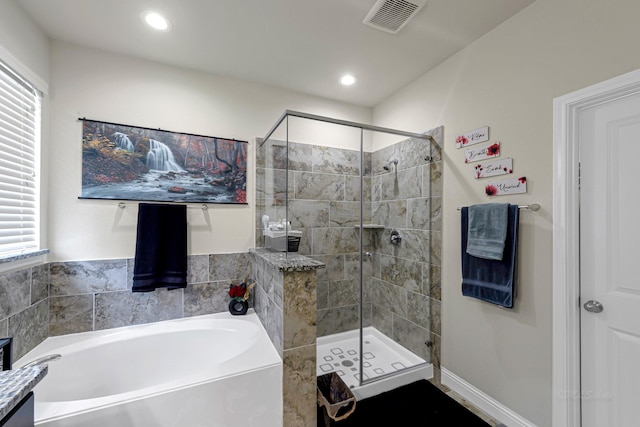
x=358 y=198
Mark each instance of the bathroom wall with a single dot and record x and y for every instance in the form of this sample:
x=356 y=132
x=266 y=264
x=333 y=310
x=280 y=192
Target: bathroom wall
x=508 y=80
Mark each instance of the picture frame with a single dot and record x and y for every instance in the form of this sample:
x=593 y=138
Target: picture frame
x=124 y=162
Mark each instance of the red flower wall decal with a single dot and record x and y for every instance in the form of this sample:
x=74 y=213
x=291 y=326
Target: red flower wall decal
x=494 y=149
x=491 y=190
x=462 y=140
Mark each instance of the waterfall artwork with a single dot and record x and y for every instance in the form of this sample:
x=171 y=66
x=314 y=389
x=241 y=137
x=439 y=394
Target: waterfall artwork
x=124 y=162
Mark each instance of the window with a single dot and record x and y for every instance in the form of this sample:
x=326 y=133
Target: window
x=19 y=139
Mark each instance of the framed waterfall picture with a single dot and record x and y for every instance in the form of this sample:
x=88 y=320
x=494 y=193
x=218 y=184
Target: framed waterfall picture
x=125 y=162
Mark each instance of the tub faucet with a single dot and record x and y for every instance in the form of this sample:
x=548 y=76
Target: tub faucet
x=43 y=359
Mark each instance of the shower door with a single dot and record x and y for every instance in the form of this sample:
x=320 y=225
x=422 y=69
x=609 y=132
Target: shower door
x=366 y=213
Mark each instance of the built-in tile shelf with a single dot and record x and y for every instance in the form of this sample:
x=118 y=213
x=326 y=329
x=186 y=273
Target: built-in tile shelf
x=371 y=226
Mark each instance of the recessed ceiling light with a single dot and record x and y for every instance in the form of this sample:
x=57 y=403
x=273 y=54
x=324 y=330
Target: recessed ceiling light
x=156 y=21
x=347 y=80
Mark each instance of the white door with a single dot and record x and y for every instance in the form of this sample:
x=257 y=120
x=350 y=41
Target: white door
x=609 y=136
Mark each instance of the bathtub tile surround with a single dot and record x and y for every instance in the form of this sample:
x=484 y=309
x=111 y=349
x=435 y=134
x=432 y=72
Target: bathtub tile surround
x=206 y=298
x=24 y=307
x=83 y=277
x=286 y=305
x=115 y=309
x=15 y=292
x=62 y=298
x=197 y=268
x=70 y=314
x=229 y=267
x=95 y=295
x=30 y=326
x=39 y=283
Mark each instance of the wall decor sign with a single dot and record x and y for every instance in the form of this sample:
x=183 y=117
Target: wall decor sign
x=477 y=154
x=494 y=168
x=125 y=162
x=476 y=136
x=510 y=186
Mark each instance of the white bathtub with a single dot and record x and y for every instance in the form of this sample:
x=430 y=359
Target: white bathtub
x=215 y=370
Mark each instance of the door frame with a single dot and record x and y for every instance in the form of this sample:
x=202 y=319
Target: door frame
x=566 y=402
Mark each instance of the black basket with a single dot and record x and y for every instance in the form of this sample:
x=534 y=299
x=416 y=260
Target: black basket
x=293 y=242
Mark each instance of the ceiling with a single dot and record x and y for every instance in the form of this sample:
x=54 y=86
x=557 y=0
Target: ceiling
x=303 y=45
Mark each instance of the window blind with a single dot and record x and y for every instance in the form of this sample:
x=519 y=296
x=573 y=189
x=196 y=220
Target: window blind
x=19 y=136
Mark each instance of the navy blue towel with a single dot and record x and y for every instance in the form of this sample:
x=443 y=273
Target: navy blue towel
x=489 y=280
x=161 y=247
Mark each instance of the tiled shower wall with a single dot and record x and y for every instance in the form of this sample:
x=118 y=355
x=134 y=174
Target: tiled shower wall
x=405 y=287
x=401 y=284
x=67 y=297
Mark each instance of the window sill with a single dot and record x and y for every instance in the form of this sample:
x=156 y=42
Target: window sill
x=19 y=257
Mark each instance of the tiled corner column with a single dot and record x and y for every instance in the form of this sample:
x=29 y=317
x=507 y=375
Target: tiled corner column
x=287 y=291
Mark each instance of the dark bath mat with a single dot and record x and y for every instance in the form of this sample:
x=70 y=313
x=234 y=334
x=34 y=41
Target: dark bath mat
x=417 y=404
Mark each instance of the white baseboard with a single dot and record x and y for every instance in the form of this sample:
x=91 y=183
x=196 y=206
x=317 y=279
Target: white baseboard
x=485 y=403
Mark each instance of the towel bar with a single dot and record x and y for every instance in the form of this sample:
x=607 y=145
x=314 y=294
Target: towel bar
x=203 y=206
x=532 y=207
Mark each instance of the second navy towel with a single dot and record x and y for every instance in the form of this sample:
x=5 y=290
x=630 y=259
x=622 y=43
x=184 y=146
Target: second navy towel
x=489 y=280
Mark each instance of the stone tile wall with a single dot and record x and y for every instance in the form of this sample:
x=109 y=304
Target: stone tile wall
x=68 y=297
x=24 y=307
x=268 y=299
x=405 y=288
x=94 y=295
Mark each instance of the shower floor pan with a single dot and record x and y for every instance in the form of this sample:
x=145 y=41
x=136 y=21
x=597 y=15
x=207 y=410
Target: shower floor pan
x=382 y=357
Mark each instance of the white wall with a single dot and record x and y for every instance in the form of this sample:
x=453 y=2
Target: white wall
x=114 y=88
x=507 y=80
x=22 y=40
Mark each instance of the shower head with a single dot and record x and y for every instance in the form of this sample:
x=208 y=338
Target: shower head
x=387 y=167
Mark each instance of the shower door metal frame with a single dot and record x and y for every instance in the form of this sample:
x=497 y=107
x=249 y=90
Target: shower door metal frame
x=362 y=127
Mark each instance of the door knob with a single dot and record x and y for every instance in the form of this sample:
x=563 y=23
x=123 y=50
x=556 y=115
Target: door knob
x=593 y=306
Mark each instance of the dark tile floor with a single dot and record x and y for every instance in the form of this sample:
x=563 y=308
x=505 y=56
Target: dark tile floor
x=417 y=404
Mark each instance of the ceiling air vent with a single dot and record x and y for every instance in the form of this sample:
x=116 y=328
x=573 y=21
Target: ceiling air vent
x=392 y=15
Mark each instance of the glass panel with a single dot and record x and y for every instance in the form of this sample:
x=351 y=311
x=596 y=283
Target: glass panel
x=345 y=196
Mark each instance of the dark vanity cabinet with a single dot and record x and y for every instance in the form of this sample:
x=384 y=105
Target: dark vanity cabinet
x=21 y=415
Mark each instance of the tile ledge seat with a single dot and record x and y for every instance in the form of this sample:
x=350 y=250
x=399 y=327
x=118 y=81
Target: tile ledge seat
x=287 y=262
